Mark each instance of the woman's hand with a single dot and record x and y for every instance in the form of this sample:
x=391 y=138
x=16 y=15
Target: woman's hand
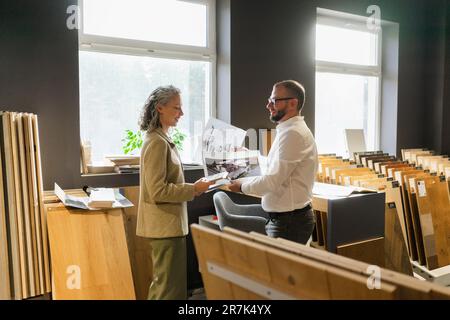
x=201 y=185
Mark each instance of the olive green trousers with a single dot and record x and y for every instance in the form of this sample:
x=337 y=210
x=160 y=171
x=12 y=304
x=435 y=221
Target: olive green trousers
x=169 y=269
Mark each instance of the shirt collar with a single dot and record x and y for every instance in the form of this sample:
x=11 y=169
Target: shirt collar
x=289 y=122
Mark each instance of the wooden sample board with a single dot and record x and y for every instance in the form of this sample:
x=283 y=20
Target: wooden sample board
x=89 y=253
x=24 y=220
x=396 y=244
x=371 y=251
x=5 y=289
x=19 y=207
x=40 y=199
x=269 y=265
x=237 y=268
x=409 y=186
x=10 y=199
x=434 y=212
x=409 y=287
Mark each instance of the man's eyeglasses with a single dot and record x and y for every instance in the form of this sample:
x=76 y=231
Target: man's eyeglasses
x=274 y=100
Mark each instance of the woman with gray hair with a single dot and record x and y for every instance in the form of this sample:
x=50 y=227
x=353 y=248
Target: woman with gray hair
x=162 y=212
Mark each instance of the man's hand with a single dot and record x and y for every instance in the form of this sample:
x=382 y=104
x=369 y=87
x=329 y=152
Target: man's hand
x=235 y=186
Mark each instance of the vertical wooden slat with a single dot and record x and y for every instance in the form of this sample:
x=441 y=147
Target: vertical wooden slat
x=5 y=289
x=35 y=201
x=12 y=214
x=396 y=252
x=31 y=203
x=434 y=209
x=411 y=192
x=44 y=234
x=209 y=247
x=18 y=204
x=26 y=209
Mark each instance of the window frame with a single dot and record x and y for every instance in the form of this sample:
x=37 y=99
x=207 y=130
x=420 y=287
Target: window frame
x=354 y=22
x=113 y=45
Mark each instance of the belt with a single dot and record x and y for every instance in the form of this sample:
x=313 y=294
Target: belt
x=273 y=215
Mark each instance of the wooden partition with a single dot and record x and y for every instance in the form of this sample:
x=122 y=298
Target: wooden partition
x=238 y=265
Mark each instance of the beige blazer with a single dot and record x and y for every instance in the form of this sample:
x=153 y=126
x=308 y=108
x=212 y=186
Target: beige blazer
x=162 y=211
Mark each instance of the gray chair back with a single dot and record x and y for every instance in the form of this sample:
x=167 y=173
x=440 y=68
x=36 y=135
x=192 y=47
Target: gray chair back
x=242 y=217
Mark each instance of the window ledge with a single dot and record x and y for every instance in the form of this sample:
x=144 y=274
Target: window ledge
x=86 y=175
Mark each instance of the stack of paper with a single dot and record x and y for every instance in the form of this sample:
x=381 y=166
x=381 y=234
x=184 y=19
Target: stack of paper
x=102 y=198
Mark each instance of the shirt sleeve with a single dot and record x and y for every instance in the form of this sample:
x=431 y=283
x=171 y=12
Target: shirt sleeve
x=288 y=153
x=155 y=176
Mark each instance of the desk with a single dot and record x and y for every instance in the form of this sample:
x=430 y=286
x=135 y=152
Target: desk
x=352 y=226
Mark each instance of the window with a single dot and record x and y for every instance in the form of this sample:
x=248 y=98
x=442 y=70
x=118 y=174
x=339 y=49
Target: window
x=348 y=75
x=129 y=47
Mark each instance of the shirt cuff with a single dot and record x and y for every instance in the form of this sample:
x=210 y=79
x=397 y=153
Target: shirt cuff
x=243 y=188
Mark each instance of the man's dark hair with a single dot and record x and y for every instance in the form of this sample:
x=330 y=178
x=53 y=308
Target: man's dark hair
x=296 y=90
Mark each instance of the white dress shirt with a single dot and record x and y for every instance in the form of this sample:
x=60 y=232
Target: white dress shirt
x=291 y=169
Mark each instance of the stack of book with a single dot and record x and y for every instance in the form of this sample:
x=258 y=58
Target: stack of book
x=127 y=168
x=102 y=198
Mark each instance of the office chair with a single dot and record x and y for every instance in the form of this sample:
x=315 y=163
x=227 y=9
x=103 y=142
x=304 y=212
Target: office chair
x=242 y=217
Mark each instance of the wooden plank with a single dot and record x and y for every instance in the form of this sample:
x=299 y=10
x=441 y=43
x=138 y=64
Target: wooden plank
x=379 y=184
x=408 y=287
x=373 y=161
x=395 y=244
x=19 y=208
x=43 y=219
x=378 y=165
x=308 y=278
x=414 y=214
x=345 y=285
x=434 y=209
x=414 y=156
x=31 y=207
x=331 y=172
x=5 y=288
x=412 y=248
x=354 y=180
x=303 y=278
x=208 y=247
x=365 y=159
x=405 y=151
x=245 y=259
x=340 y=174
x=35 y=201
x=25 y=203
x=370 y=251
x=89 y=249
x=11 y=203
x=385 y=168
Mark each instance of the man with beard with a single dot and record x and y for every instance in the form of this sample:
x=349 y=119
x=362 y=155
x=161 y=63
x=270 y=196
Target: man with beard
x=286 y=187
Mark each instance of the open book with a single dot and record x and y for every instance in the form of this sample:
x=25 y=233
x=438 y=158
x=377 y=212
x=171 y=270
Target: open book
x=84 y=202
x=224 y=157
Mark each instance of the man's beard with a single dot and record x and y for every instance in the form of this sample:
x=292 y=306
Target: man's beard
x=278 y=116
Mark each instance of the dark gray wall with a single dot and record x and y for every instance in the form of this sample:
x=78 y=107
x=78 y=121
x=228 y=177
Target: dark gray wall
x=273 y=40
x=261 y=41
x=434 y=75
x=270 y=41
x=39 y=74
x=446 y=103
